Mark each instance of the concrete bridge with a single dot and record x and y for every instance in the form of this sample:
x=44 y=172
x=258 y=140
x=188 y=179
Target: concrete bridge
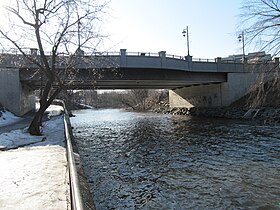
x=192 y=82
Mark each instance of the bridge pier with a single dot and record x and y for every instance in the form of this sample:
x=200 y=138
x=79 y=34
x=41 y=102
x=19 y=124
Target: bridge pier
x=213 y=95
x=15 y=96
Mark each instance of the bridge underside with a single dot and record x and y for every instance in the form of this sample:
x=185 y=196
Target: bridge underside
x=126 y=78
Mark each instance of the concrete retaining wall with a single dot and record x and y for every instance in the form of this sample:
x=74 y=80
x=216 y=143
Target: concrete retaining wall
x=213 y=95
x=16 y=97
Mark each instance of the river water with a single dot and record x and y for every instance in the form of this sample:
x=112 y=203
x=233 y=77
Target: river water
x=154 y=161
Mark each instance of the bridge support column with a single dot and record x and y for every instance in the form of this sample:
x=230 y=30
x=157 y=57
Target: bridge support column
x=213 y=95
x=15 y=96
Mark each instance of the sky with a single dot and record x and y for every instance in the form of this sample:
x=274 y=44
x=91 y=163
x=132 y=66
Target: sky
x=157 y=25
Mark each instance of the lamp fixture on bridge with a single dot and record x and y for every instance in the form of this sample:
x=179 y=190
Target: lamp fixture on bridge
x=186 y=32
x=241 y=39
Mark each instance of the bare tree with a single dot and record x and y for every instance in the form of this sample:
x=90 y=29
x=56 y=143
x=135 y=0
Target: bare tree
x=58 y=26
x=260 y=22
x=136 y=99
x=141 y=99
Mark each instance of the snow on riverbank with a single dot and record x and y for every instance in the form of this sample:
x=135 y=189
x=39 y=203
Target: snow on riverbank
x=17 y=138
x=7 y=118
x=52 y=110
x=34 y=176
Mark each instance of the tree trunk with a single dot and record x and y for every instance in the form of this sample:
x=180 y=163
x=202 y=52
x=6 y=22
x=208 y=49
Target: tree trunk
x=34 y=127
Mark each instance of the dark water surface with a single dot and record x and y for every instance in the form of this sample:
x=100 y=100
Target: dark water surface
x=153 y=161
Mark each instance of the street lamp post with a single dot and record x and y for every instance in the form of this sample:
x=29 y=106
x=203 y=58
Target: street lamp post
x=79 y=51
x=186 y=32
x=241 y=39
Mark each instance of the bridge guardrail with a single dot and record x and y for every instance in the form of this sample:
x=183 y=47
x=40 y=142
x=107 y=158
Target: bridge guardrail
x=207 y=60
x=17 y=60
x=175 y=56
x=28 y=51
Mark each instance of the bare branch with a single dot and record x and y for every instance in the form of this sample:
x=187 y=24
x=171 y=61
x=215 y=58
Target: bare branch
x=52 y=25
x=261 y=21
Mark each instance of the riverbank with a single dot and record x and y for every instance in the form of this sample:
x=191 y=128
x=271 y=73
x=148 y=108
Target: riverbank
x=15 y=140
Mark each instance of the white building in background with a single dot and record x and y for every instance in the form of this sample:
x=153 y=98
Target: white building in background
x=250 y=57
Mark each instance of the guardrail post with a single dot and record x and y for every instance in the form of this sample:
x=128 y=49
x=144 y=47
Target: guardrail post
x=162 y=55
x=123 y=58
x=218 y=60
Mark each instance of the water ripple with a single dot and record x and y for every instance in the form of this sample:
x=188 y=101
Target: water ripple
x=152 y=161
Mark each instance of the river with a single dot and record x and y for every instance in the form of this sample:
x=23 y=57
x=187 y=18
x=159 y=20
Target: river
x=154 y=161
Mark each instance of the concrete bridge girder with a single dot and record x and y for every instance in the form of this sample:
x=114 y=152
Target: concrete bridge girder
x=129 y=78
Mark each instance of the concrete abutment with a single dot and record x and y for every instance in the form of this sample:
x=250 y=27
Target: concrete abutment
x=213 y=95
x=15 y=96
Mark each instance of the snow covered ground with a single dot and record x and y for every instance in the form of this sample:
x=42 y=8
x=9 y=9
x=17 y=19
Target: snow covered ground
x=52 y=110
x=7 y=118
x=34 y=176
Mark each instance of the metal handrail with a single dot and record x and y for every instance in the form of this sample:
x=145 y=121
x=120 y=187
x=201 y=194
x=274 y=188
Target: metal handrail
x=27 y=51
x=76 y=198
x=176 y=57
x=207 y=60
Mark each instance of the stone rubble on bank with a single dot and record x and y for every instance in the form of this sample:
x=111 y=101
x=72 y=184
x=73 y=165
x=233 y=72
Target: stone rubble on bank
x=266 y=115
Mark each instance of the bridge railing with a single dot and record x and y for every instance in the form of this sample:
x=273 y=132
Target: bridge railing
x=248 y=61
x=175 y=56
x=15 y=51
x=12 y=57
x=114 y=53
x=30 y=51
x=207 y=60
